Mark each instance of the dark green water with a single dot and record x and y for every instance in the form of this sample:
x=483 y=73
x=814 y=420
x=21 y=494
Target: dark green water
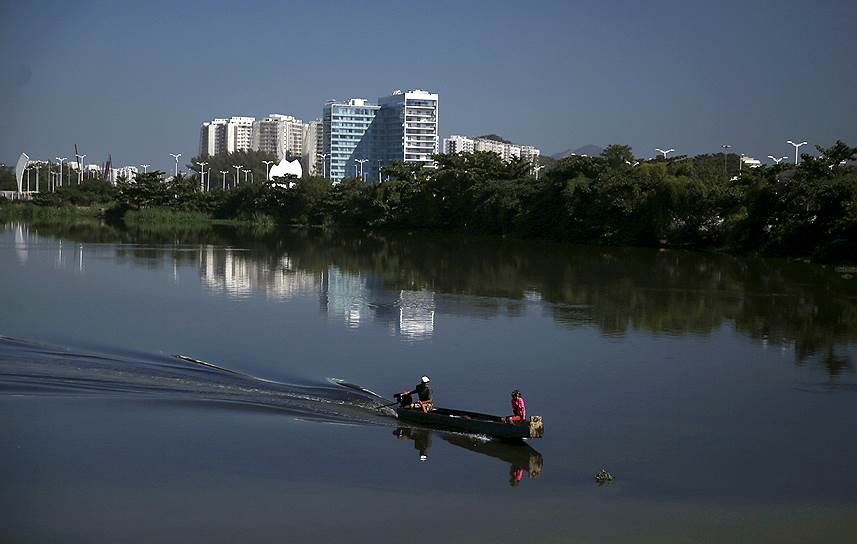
x=720 y=391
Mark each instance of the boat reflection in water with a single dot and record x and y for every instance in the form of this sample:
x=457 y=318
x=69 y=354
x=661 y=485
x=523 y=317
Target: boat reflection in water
x=522 y=458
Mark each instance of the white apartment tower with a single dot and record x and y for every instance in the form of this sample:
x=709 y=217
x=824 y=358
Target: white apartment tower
x=312 y=147
x=281 y=135
x=226 y=135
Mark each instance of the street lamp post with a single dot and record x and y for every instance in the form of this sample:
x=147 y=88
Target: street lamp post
x=361 y=161
x=202 y=175
x=797 y=146
x=245 y=174
x=60 y=160
x=80 y=168
x=741 y=162
x=324 y=165
x=379 y=171
x=176 y=157
x=538 y=169
x=267 y=169
x=237 y=167
x=776 y=160
x=223 y=172
x=664 y=151
x=145 y=168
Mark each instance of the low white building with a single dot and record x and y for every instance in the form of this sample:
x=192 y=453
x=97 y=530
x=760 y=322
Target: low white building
x=507 y=151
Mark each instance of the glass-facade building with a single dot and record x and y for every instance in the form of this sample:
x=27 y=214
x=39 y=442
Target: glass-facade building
x=402 y=127
x=348 y=136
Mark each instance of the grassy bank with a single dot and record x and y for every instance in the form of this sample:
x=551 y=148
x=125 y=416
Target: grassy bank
x=27 y=211
x=164 y=217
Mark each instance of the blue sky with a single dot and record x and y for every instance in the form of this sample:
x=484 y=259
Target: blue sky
x=136 y=79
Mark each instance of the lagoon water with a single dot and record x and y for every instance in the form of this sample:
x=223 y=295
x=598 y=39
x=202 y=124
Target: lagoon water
x=720 y=391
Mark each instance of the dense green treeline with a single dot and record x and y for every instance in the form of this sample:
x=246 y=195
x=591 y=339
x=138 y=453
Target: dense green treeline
x=707 y=201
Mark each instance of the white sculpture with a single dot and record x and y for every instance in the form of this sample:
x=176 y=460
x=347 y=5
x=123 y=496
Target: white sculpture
x=286 y=167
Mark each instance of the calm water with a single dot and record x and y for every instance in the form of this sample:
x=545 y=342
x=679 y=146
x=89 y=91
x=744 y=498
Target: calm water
x=720 y=391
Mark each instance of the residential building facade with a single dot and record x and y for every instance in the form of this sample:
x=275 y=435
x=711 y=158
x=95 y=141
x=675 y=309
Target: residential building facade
x=313 y=143
x=346 y=136
x=507 y=151
x=407 y=128
x=226 y=135
x=280 y=135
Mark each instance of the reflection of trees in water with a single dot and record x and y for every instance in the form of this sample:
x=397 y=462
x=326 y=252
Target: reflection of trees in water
x=808 y=307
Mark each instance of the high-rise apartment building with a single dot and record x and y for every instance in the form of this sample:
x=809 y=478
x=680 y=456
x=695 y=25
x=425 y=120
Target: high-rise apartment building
x=226 y=135
x=347 y=137
x=408 y=127
x=401 y=127
x=507 y=151
x=280 y=135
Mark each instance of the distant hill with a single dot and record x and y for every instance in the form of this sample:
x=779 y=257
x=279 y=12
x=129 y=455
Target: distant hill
x=591 y=150
x=495 y=138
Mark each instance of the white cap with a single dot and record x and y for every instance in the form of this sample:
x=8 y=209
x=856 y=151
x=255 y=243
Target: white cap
x=425 y=379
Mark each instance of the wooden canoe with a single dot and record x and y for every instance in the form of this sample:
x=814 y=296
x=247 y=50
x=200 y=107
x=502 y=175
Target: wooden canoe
x=473 y=422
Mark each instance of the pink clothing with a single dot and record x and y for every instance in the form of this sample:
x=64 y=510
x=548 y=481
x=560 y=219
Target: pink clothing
x=519 y=408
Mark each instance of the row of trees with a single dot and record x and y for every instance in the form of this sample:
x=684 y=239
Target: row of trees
x=699 y=201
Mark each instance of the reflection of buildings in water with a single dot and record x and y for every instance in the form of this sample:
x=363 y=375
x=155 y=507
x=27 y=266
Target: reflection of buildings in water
x=416 y=314
x=522 y=458
x=355 y=297
x=238 y=274
x=345 y=295
x=22 y=235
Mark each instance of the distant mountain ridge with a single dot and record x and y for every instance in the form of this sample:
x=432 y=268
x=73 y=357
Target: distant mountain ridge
x=591 y=150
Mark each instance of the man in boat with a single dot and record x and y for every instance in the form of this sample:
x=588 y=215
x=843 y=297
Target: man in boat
x=519 y=409
x=423 y=392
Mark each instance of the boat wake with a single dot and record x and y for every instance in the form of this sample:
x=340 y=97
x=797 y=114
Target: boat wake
x=32 y=369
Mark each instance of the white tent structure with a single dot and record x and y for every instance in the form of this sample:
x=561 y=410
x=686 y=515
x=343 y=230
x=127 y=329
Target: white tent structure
x=285 y=168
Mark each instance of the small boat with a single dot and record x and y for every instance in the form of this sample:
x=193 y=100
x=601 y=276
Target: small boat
x=473 y=422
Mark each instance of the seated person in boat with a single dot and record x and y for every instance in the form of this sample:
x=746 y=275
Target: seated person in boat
x=423 y=392
x=519 y=409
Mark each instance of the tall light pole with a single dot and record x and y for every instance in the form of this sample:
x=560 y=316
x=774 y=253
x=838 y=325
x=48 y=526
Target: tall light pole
x=176 y=157
x=202 y=175
x=60 y=160
x=537 y=169
x=145 y=168
x=797 y=146
x=267 y=169
x=324 y=165
x=223 y=173
x=80 y=168
x=776 y=160
x=725 y=147
x=379 y=171
x=245 y=175
x=361 y=161
x=664 y=151
x=237 y=167
x=741 y=162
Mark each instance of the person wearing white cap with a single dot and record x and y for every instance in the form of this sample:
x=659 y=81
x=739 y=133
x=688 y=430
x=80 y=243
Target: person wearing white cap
x=423 y=392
